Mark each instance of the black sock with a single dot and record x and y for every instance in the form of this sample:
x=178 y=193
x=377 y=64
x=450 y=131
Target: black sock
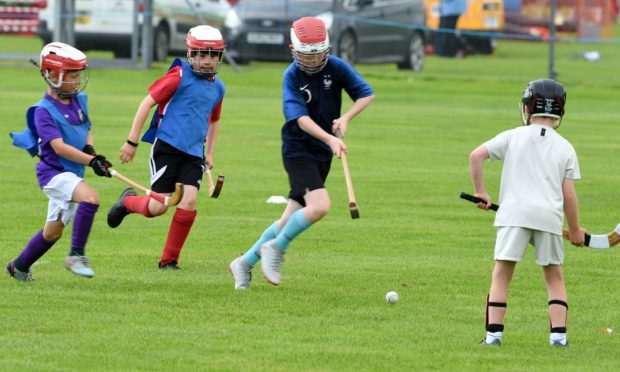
x=76 y=251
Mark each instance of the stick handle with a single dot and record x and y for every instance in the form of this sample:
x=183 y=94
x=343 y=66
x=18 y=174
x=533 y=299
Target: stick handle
x=347 y=179
x=154 y=195
x=475 y=199
x=495 y=207
x=347 y=175
x=209 y=179
x=130 y=182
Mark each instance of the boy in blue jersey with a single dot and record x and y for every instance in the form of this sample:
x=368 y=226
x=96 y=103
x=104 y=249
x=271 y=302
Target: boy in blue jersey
x=58 y=131
x=312 y=100
x=189 y=99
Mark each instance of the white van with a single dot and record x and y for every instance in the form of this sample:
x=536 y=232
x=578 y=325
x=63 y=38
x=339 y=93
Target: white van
x=108 y=24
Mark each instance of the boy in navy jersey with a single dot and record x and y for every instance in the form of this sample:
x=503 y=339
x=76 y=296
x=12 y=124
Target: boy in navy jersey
x=189 y=99
x=58 y=132
x=312 y=100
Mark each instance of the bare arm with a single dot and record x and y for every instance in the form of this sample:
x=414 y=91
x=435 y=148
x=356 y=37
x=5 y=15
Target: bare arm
x=341 y=124
x=127 y=151
x=571 y=210
x=89 y=139
x=70 y=152
x=214 y=130
x=476 y=162
x=309 y=126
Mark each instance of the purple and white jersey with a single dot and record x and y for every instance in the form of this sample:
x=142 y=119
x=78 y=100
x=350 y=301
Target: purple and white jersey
x=50 y=166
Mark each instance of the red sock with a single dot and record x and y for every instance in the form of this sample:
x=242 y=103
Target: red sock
x=179 y=230
x=138 y=204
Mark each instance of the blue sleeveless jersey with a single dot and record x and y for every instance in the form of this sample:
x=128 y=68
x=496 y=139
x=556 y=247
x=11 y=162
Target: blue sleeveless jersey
x=73 y=135
x=185 y=123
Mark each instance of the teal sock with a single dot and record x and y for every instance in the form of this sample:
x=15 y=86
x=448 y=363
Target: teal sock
x=253 y=255
x=295 y=226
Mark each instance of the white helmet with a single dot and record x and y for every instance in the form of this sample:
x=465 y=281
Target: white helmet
x=59 y=58
x=310 y=41
x=208 y=40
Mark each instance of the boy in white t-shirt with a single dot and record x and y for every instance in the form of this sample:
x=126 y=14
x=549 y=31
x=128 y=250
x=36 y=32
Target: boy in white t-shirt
x=536 y=190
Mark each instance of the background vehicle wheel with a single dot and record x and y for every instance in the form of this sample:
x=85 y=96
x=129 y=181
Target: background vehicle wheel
x=122 y=53
x=347 y=47
x=414 y=55
x=161 y=43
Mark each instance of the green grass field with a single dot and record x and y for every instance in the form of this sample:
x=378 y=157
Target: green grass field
x=408 y=158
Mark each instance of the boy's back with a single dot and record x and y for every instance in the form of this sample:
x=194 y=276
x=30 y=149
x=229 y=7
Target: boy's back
x=536 y=160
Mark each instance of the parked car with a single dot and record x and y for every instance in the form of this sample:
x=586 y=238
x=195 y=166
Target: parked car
x=108 y=24
x=361 y=31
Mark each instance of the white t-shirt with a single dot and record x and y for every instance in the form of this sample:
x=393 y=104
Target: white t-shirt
x=536 y=161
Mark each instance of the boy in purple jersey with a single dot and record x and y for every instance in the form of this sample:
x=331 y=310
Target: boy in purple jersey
x=312 y=99
x=189 y=99
x=59 y=131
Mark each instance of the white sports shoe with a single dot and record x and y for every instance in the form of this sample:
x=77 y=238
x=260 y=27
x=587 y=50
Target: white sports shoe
x=79 y=265
x=272 y=258
x=241 y=271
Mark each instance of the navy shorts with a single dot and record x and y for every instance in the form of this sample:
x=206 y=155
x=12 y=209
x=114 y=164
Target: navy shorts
x=304 y=175
x=170 y=165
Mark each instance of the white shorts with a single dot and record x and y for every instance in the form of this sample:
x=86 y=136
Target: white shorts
x=60 y=192
x=512 y=242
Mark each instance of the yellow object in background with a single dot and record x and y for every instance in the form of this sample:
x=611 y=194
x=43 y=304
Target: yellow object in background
x=481 y=15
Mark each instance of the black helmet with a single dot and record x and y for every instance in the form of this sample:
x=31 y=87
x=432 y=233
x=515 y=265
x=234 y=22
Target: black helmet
x=544 y=97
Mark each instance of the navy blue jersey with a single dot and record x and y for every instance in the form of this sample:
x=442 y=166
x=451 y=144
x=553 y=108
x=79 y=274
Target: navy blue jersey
x=318 y=96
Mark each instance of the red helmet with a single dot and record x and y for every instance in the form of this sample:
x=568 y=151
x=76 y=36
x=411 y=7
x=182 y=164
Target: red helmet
x=205 y=40
x=310 y=41
x=60 y=58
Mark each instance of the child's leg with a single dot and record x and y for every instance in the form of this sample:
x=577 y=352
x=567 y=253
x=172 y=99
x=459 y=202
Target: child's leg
x=497 y=299
x=252 y=256
x=82 y=225
x=317 y=206
x=558 y=306
x=180 y=226
x=83 y=215
x=40 y=243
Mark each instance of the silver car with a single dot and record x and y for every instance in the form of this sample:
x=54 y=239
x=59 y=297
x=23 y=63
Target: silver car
x=361 y=31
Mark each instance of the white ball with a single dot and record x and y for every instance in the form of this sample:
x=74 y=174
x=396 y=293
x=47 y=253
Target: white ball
x=391 y=297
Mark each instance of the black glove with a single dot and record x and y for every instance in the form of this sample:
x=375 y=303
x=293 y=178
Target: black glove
x=89 y=149
x=100 y=165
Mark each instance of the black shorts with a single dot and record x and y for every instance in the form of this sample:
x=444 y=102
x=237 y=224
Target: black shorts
x=304 y=175
x=170 y=165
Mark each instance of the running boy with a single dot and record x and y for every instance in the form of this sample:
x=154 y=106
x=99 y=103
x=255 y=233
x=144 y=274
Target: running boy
x=58 y=132
x=190 y=101
x=313 y=86
x=537 y=184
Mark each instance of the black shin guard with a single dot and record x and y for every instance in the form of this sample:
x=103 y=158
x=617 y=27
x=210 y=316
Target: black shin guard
x=553 y=329
x=493 y=327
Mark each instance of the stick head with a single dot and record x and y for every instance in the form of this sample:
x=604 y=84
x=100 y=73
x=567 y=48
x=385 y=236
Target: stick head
x=355 y=212
x=176 y=197
x=218 y=187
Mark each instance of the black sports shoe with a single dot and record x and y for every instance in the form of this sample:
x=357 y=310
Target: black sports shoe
x=19 y=275
x=172 y=265
x=118 y=210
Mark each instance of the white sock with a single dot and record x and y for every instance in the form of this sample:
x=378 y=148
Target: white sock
x=557 y=337
x=492 y=336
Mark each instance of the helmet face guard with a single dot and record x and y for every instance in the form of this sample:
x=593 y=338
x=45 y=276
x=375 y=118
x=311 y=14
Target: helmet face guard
x=64 y=69
x=310 y=44
x=205 y=50
x=544 y=98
